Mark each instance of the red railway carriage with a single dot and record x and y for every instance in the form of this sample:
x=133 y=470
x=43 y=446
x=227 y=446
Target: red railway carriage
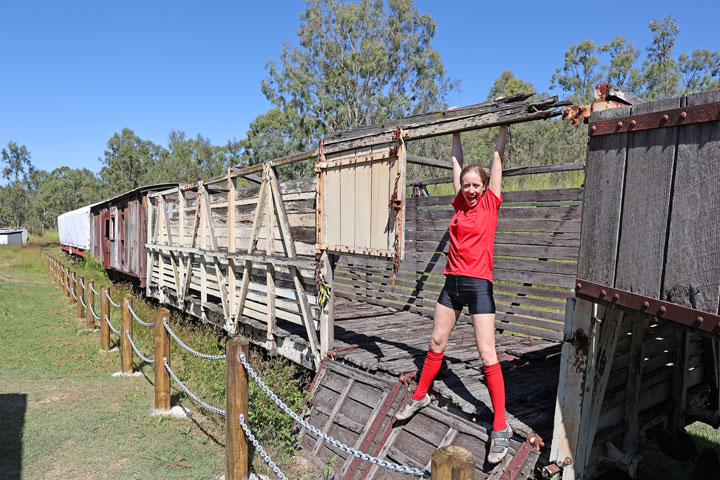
x=119 y=232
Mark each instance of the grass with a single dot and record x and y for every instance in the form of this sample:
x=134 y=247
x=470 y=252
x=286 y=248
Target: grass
x=63 y=416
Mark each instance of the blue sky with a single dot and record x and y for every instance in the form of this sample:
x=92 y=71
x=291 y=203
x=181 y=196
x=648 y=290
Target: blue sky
x=74 y=73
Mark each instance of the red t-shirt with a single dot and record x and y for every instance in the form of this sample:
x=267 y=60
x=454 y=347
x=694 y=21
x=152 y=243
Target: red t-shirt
x=472 y=236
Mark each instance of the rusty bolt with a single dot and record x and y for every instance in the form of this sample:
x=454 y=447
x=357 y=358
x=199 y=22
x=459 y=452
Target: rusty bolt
x=683 y=115
x=700 y=319
x=633 y=123
x=665 y=118
x=603 y=293
x=619 y=124
x=646 y=304
x=663 y=309
x=616 y=297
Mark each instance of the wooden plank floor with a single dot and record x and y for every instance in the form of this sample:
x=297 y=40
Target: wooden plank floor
x=394 y=343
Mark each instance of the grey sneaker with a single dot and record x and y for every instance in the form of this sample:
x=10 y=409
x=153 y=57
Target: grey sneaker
x=499 y=444
x=412 y=406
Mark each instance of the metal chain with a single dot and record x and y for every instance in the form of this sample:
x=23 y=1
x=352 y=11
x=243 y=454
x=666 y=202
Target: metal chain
x=132 y=344
x=353 y=451
x=132 y=312
x=260 y=449
x=94 y=291
x=83 y=302
x=194 y=352
x=190 y=394
x=107 y=319
x=72 y=274
x=82 y=283
x=97 y=317
x=107 y=294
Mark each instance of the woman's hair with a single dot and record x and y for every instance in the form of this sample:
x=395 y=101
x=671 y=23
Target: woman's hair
x=474 y=168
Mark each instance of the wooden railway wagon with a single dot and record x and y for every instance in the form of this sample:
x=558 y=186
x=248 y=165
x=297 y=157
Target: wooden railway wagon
x=640 y=357
x=118 y=231
x=340 y=273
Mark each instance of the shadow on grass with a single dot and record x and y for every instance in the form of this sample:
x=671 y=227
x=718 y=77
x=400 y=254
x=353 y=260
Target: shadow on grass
x=12 y=420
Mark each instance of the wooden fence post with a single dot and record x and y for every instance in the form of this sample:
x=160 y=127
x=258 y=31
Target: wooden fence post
x=126 y=365
x=104 y=313
x=70 y=287
x=162 y=350
x=90 y=302
x=80 y=292
x=452 y=463
x=236 y=403
x=65 y=277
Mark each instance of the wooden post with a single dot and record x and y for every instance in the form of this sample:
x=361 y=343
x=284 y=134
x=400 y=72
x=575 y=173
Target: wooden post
x=236 y=403
x=327 y=316
x=90 y=302
x=79 y=291
x=104 y=312
x=452 y=463
x=162 y=350
x=126 y=365
x=269 y=268
x=66 y=278
x=73 y=289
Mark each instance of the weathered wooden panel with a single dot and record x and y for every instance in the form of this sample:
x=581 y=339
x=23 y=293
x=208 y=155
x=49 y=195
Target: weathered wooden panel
x=356 y=199
x=645 y=204
x=692 y=271
x=357 y=408
x=604 y=182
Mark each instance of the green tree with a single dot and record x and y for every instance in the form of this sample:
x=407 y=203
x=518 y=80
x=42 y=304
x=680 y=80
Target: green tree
x=622 y=71
x=129 y=162
x=17 y=170
x=700 y=71
x=62 y=190
x=188 y=160
x=580 y=72
x=357 y=63
x=660 y=71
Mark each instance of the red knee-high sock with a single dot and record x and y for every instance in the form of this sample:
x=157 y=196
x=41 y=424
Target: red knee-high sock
x=430 y=369
x=496 y=387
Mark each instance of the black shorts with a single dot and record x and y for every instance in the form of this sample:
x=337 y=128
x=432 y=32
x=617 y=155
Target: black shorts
x=476 y=293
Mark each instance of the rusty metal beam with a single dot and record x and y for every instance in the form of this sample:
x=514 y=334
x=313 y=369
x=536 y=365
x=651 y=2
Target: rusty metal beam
x=676 y=117
x=689 y=317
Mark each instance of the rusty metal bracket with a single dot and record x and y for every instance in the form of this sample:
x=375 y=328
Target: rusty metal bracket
x=676 y=117
x=333 y=353
x=515 y=466
x=689 y=317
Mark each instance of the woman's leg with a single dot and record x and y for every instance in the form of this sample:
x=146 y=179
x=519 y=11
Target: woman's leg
x=484 y=325
x=443 y=324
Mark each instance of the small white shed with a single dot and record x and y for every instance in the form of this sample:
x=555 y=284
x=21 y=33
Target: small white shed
x=12 y=236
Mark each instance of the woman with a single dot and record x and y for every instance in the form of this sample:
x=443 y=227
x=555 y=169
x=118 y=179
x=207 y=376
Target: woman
x=468 y=282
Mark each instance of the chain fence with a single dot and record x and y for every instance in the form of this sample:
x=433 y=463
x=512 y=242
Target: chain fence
x=190 y=394
x=107 y=319
x=82 y=302
x=194 y=352
x=82 y=284
x=261 y=450
x=132 y=344
x=94 y=291
x=107 y=294
x=327 y=438
x=258 y=380
x=132 y=312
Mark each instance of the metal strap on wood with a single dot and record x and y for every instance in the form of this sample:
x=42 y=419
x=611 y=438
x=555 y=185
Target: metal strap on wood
x=676 y=117
x=689 y=317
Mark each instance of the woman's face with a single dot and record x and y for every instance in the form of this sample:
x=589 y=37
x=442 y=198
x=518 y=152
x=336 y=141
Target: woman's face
x=472 y=188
